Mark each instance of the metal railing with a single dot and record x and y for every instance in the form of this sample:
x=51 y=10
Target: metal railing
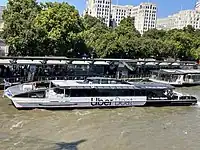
x=17 y=80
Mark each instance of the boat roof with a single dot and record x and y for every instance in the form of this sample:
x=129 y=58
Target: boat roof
x=74 y=84
x=136 y=85
x=102 y=78
x=179 y=71
x=77 y=85
x=152 y=85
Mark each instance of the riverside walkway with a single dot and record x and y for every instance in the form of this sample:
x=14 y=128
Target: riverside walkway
x=25 y=69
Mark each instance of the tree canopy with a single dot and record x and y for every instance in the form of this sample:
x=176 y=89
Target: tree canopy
x=57 y=29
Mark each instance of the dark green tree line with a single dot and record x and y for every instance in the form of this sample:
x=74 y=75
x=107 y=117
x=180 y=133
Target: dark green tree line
x=57 y=29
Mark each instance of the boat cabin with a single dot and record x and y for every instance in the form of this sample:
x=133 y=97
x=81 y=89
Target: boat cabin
x=180 y=75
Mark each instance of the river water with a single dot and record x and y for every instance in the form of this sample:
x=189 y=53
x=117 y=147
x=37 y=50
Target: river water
x=149 y=128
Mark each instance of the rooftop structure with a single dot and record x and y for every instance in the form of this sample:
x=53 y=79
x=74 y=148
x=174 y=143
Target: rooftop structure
x=181 y=19
x=100 y=9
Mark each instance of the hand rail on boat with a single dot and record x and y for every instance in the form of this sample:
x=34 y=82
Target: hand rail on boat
x=17 y=80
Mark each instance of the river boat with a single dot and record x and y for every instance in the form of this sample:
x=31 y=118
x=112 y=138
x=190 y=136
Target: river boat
x=177 y=77
x=94 y=93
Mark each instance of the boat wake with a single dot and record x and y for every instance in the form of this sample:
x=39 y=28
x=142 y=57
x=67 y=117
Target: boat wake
x=198 y=104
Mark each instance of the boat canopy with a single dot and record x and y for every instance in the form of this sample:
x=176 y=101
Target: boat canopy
x=178 y=71
x=152 y=85
x=76 y=85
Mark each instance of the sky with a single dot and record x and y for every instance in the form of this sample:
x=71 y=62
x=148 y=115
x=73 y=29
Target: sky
x=165 y=7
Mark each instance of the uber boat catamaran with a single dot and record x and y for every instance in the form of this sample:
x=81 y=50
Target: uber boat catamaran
x=177 y=77
x=94 y=93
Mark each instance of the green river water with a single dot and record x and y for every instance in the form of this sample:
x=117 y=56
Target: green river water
x=149 y=128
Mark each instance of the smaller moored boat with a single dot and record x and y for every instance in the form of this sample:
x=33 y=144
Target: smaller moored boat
x=176 y=77
x=95 y=93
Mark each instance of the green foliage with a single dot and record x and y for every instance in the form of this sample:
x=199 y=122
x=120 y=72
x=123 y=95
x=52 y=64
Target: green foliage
x=89 y=22
x=57 y=29
x=58 y=23
x=18 y=32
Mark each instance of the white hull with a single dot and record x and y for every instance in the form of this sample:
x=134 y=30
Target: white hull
x=80 y=102
x=71 y=94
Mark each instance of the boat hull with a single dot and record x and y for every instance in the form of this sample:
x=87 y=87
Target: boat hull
x=76 y=105
x=171 y=103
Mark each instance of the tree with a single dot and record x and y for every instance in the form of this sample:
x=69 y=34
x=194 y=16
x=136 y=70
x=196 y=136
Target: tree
x=189 y=29
x=126 y=27
x=57 y=25
x=183 y=42
x=154 y=34
x=89 y=22
x=195 y=53
x=94 y=30
x=18 y=31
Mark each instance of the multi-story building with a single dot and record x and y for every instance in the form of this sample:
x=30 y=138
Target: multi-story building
x=197 y=6
x=118 y=12
x=181 y=19
x=144 y=15
x=100 y=9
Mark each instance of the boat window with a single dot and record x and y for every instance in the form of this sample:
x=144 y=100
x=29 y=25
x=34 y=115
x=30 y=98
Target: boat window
x=104 y=81
x=156 y=93
x=67 y=93
x=113 y=82
x=58 y=91
x=42 y=85
x=96 y=81
x=103 y=92
x=187 y=97
x=81 y=93
x=37 y=94
x=139 y=93
x=22 y=95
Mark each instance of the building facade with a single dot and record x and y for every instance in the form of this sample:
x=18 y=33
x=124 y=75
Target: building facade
x=197 y=6
x=144 y=14
x=100 y=9
x=181 y=19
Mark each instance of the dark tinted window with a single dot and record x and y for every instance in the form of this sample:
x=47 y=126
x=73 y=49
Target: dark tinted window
x=38 y=94
x=155 y=93
x=81 y=92
x=104 y=92
x=139 y=93
x=22 y=95
x=58 y=91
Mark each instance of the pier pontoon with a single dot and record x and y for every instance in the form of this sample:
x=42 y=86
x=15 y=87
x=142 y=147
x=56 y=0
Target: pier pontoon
x=177 y=77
